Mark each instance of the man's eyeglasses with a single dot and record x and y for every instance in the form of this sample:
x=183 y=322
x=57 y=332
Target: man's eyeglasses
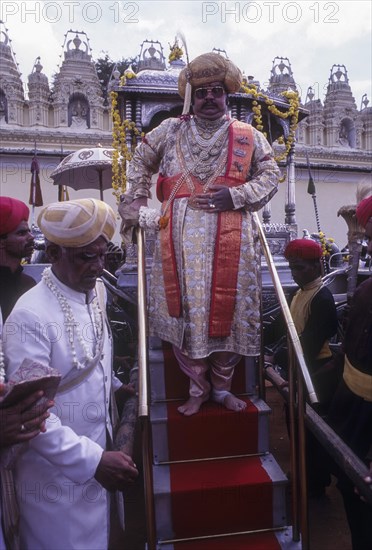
x=216 y=91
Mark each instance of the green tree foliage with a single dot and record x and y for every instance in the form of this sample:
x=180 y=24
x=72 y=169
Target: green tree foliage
x=105 y=67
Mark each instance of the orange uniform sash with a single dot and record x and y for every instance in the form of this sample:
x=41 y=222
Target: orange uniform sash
x=227 y=252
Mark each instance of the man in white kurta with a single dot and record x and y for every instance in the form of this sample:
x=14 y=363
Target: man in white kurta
x=63 y=476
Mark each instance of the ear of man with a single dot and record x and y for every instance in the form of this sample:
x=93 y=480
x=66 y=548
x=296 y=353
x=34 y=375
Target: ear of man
x=53 y=252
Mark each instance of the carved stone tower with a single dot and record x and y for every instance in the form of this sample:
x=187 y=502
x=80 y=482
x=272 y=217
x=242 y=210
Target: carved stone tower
x=365 y=116
x=77 y=95
x=281 y=77
x=38 y=89
x=313 y=125
x=342 y=127
x=11 y=89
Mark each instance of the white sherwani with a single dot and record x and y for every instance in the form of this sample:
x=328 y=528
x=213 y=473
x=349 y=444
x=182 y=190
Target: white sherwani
x=61 y=504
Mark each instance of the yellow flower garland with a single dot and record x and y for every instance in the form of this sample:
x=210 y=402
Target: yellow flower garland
x=293 y=111
x=122 y=153
x=326 y=243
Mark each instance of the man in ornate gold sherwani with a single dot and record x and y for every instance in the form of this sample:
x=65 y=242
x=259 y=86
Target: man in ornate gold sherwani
x=214 y=171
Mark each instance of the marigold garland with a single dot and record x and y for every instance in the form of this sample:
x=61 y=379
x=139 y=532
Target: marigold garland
x=326 y=243
x=121 y=153
x=292 y=113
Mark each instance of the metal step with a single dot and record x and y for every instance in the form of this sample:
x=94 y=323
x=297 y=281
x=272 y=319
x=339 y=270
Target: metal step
x=254 y=540
x=244 y=432
x=253 y=488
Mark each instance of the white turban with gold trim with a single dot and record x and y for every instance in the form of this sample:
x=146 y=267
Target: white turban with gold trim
x=77 y=223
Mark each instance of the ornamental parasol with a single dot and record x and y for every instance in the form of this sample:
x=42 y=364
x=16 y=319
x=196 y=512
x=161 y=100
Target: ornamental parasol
x=89 y=168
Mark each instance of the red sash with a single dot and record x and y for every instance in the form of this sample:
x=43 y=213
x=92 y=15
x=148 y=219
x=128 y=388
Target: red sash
x=227 y=251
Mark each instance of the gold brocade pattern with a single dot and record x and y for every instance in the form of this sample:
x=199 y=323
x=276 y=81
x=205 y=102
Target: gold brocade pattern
x=194 y=234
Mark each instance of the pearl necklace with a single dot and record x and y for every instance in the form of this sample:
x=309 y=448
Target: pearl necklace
x=72 y=326
x=207 y=133
x=2 y=363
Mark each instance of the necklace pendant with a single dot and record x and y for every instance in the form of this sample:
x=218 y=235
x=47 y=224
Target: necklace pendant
x=163 y=222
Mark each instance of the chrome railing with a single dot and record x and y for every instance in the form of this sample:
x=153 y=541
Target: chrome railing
x=143 y=393
x=296 y=403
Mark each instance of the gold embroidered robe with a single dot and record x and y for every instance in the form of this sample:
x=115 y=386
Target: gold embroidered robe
x=194 y=235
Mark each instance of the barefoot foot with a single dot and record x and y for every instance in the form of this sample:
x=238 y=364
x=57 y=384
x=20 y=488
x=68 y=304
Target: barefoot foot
x=233 y=403
x=192 y=405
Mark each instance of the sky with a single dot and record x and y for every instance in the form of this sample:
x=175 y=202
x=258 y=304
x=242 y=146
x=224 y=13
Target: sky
x=313 y=35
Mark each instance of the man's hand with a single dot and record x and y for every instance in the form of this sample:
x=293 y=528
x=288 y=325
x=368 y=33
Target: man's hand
x=115 y=470
x=129 y=211
x=23 y=421
x=218 y=199
x=368 y=480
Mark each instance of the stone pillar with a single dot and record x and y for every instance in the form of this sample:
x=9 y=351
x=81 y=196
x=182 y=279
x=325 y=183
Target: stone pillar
x=139 y=119
x=290 y=202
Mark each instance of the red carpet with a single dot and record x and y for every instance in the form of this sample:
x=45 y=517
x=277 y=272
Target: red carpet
x=208 y=497
x=212 y=432
x=220 y=496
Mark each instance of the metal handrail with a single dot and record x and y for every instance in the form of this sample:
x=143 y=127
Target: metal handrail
x=346 y=459
x=143 y=392
x=143 y=407
x=292 y=332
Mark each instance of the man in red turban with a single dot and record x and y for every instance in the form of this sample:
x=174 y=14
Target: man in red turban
x=350 y=414
x=25 y=419
x=12 y=212
x=305 y=249
x=315 y=317
x=364 y=212
x=16 y=243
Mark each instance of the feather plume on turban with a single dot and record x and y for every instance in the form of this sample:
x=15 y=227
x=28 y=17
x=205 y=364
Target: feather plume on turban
x=77 y=223
x=306 y=249
x=207 y=68
x=364 y=211
x=12 y=213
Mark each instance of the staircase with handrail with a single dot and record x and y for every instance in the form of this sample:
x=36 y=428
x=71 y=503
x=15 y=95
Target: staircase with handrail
x=210 y=480
x=216 y=485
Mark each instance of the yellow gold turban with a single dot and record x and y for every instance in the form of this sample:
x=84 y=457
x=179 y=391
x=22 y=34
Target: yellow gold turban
x=77 y=223
x=207 y=68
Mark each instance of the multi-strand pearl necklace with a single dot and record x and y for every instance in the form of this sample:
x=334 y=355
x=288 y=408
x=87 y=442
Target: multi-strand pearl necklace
x=2 y=362
x=72 y=326
x=206 y=133
x=205 y=140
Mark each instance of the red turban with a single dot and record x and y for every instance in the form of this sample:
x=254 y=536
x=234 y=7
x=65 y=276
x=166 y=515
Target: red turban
x=12 y=212
x=364 y=211
x=306 y=249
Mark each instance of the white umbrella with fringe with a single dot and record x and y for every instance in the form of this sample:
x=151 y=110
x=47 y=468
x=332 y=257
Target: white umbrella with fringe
x=88 y=168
